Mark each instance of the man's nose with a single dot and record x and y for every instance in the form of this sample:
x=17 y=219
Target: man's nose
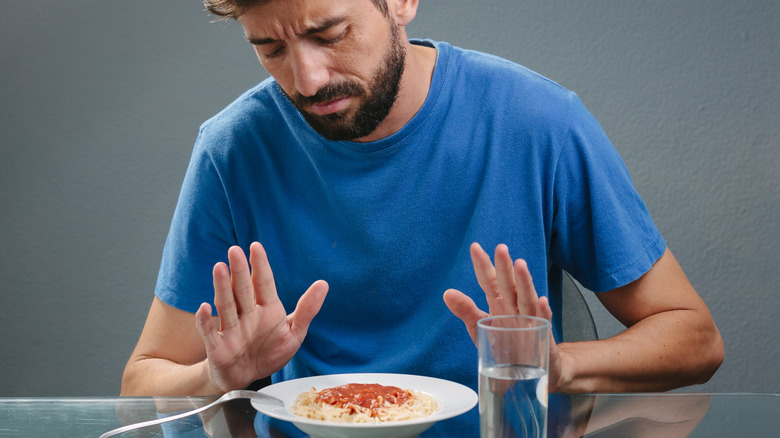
x=310 y=70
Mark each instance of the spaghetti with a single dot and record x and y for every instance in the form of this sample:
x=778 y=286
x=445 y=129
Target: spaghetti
x=364 y=403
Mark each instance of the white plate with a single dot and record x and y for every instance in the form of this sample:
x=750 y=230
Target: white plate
x=453 y=398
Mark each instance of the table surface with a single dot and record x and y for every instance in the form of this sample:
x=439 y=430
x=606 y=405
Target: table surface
x=603 y=415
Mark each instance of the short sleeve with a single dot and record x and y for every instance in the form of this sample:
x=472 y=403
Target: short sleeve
x=201 y=232
x=603 y=234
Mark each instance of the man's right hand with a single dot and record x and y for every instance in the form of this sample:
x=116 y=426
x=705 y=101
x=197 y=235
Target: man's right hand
x=256 y=337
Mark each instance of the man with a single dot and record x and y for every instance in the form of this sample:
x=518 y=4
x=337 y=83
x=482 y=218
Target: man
x=373 y=163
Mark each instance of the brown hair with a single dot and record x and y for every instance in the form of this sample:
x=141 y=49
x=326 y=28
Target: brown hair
x=234 y=8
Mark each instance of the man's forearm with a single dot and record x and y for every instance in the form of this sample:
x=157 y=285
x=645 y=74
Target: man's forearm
x=161 y=377
x=663 y=352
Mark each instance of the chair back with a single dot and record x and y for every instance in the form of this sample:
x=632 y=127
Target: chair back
x=577 y=319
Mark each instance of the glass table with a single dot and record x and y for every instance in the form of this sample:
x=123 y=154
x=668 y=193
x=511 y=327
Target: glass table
x=603 y=415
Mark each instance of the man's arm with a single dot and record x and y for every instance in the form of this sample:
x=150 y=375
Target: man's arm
x=181 y=353
x=170 y=358
x=671 y=339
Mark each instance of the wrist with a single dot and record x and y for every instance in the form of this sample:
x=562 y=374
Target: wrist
x=566 y=370
x=210 y=386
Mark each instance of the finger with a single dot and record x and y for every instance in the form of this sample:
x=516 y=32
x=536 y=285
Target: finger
x=526 y=292
x=205 y=325
x=262 y=276
x=505 y=280
x=543 y=309
x=464 y=308
x=223 y=297
x=307 y=308
x=486 y=277
x=240 y=278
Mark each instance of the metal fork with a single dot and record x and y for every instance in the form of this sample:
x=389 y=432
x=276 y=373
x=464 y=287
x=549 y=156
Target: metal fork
x=232 y=395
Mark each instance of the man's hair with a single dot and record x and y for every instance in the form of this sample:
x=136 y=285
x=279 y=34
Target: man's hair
x=234 y=8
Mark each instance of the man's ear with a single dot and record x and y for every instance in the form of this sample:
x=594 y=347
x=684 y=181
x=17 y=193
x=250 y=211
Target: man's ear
x=403 y=11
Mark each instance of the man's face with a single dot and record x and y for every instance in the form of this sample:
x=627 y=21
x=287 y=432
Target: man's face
x=339 y=62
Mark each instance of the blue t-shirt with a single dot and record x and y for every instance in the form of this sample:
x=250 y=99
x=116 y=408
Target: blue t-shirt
x=497 y=154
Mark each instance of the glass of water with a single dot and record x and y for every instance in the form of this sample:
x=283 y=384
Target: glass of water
x=514 y=355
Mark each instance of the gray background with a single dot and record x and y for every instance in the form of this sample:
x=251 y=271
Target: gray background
x=100 y=102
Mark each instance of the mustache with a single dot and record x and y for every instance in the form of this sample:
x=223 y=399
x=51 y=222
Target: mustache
x=328 y=93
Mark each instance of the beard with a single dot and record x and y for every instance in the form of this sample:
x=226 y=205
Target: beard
x=378 y=100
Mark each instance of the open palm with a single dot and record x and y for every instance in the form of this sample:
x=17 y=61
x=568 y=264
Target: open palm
x=256 y=336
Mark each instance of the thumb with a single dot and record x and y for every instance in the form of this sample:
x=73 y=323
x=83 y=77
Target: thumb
x=206 y=328
x=464 y=308
x=307 y=308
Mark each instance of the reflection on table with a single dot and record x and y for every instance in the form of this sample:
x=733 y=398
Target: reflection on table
x=604 y=415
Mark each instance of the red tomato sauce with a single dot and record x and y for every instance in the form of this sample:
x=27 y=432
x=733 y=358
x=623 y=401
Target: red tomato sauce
x=363 y=396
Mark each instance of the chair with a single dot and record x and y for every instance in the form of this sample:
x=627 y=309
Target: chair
x=577 y=320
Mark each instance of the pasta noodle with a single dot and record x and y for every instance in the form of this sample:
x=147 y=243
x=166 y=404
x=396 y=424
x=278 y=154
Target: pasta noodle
x=364 y=403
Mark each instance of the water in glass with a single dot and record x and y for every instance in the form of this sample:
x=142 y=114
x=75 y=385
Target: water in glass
x=513 y=401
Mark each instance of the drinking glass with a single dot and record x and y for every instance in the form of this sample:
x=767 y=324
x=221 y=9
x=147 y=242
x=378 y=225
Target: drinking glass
x=514 y=355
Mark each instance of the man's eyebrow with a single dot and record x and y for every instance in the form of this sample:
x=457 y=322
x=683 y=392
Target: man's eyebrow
x=322 y=27
x=325 y=25
x=259 y=41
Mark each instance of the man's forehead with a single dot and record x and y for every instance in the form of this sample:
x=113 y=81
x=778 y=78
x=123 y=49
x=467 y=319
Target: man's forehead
x=276 y=9
x=297 y=16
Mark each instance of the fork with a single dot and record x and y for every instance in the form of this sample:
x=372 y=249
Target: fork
x=232 y=395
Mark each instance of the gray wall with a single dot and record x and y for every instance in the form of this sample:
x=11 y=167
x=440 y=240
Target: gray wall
x=100 y=102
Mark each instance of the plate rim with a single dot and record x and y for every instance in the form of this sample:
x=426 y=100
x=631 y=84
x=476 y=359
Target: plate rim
x=284 y=414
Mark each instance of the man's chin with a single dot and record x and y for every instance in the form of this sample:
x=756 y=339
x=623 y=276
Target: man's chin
x=335 y=126
x=335 y=118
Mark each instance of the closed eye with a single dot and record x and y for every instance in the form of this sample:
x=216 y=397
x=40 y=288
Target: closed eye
x=272 y=52
x=329 y=40
x=330 y=31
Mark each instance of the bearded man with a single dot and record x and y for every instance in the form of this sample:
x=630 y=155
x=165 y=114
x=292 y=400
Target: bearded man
x=363 y=171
